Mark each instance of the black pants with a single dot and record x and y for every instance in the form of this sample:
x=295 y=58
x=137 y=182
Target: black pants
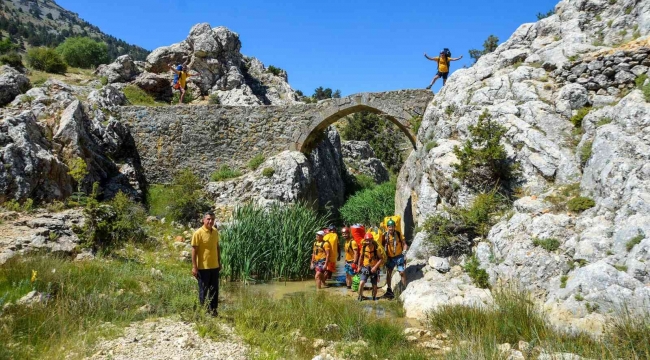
x=209 y=288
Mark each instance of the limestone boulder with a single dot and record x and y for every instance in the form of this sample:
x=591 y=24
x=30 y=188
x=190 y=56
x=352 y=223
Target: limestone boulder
x=156 y=84
x=29 y=167
x=361 y=159
x=123 y=70
x=106 y=97
x=12 y=84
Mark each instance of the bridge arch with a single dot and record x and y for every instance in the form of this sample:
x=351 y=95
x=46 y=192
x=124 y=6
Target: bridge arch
x=394 y=108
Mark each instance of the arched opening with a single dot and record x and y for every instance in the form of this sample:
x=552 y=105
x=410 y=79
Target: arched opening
x=309 y=138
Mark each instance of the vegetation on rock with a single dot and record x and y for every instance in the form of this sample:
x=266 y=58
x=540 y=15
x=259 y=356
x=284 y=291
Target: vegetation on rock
x=479 y=276
x=256 y=161
x=580 y=204
x=188 y=203
x=489 y=46
x=136 y=96
x=83 y=52
x=370 y=206
x=549 y=244
x=225 y=172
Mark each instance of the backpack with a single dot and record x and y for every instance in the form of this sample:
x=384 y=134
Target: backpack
x=447 y=53
x=379 y=252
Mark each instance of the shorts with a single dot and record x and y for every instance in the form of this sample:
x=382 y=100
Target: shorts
x=443 y=75
x=348 y=268
x=320 y=266
x=396 y=261
x=331 y=267
x=366 y=274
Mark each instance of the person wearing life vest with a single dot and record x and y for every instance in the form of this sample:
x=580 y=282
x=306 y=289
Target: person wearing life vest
x=351 y=256
x=369 y=265
x=180 y=83
x=333 y=239
x=443 y=66
x=395 y=246
x=319 y=258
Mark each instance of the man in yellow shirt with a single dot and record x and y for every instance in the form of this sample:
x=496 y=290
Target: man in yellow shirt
x=351 y=256
x=181 y=82
x=369 y=264
x=395 y=246
x=320 y=256
x=443 y=66
x=332 y=237
x=206 y=262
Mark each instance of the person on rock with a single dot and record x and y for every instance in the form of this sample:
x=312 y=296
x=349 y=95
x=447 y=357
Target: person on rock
x=333 y=239
x=395 y=245
x=351 y=256
x=443 y=61
x=180 y=83
x=206 y=262
x=369 y=265
x=320 y=256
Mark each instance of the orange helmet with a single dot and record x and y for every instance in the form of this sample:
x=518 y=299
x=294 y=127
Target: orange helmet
x=369 y=236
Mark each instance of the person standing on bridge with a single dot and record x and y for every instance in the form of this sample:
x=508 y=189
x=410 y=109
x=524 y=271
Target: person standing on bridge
x=206 y=262
x=443 y=65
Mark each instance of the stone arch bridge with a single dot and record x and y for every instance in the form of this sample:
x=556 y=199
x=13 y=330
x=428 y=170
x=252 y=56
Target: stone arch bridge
x=204 y=137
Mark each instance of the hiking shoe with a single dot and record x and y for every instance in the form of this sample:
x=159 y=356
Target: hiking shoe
x=428 y=87
x=360 y=298
x=349 y=287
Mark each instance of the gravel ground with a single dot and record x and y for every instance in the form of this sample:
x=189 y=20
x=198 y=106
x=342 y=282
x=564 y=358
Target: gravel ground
x=170 y=339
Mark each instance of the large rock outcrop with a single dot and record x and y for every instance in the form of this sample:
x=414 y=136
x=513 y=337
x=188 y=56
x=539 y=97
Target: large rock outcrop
x=533 y=84
x=217 y=67
x=361 y=159
x=12 y=84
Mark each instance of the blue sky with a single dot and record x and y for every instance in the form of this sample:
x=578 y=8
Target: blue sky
x=353 y=46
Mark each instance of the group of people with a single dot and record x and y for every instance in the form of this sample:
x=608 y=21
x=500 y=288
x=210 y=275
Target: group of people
x=363 y=258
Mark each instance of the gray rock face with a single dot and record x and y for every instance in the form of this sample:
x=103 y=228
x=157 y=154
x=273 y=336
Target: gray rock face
x=155 y=84
x=330 y=173
x=29 y=168
x=292 y=181
x=607 y=161
x=12 y=84
x=106 y=97
x=214 y=58
x=123 y=70
x=360 y=159
x=43 y=231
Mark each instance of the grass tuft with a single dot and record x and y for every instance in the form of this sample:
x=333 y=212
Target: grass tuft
x=256 y=161
x=225 y=173
x=550 y=244
x=634 y=241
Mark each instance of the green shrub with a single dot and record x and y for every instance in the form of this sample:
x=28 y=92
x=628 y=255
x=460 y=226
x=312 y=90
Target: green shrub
x=573 y=58
x=478 y=275
x=6 y=46
x=628 y=10
x=563 y=280
x=12 y=59
x=225 y=173
x=188 y=98
x=83 y=52
x=268 y=244
x=256 y=161
x=384 y=138
x=274 y=70
x=78 y=169
x=13 y=205
x=640 y=80
x=604 y=121
x=110 y=225
x=580 y=204
x=452 y=234
x=136 y=96
x=370 y=206
x=550 y=244
x=268 y=172
x=541 y=16
x=585 y=152
x=634 y=241
x=621 y=268
x=431 y=145
x=416 y=122
x=363 y=181
x=46 y=59
x=483 y=161
x=576 y=119
x=103 y=80
x=450 y=109
x=214 y=99
x=188 y=200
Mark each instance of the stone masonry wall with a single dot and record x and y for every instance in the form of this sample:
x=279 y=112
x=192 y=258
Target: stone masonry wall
x=205 y=137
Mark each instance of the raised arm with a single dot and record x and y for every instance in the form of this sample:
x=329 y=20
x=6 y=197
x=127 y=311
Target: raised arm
x=430 y=58
x=171 y=67
x=456 y=59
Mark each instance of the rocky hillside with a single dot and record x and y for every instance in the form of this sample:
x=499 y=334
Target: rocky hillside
x=45 y=23
x=568 y=91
